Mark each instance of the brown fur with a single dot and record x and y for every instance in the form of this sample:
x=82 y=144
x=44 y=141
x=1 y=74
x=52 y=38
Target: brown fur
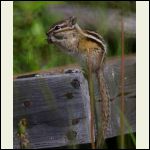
x=85 y=44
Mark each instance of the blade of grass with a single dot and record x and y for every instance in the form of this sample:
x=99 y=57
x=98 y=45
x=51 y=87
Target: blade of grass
x=126 y=123
x=122 y=140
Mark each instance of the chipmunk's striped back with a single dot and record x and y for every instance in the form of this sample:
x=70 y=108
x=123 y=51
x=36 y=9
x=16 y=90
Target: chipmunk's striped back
x=99 y=38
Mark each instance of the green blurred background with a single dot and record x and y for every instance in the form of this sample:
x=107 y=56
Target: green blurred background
x=32 y=20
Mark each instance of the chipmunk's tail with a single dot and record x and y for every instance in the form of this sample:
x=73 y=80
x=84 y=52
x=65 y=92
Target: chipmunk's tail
x=105 y=109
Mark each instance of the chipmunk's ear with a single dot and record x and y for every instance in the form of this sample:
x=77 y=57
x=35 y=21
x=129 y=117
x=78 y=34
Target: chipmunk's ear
x=73 y=20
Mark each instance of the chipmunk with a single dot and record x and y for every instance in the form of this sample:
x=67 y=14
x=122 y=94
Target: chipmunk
x=68 y=35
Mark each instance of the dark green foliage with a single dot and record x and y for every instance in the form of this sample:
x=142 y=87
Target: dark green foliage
x=30 y=48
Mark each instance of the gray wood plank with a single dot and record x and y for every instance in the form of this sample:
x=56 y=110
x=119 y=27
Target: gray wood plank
x=57 y=107
x=112 y=76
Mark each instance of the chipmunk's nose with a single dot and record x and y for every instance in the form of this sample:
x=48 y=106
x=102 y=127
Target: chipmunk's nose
x=47 y=33
x=49 y=40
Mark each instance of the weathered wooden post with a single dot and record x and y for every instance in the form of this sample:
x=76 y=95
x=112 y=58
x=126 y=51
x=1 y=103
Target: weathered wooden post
x=56 y=108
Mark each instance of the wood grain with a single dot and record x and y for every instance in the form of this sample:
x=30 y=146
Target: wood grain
x=57 y=107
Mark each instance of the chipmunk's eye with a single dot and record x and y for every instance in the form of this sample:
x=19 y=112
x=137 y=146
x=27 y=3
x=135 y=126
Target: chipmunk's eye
x=57 y=27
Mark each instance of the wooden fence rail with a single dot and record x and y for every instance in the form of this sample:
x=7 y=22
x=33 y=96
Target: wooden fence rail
x=56 y=105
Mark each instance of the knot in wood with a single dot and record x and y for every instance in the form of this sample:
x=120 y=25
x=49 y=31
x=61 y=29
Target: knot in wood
x=75 y=83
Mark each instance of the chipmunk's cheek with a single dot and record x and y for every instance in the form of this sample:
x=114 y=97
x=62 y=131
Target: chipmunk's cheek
x=59 y=37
